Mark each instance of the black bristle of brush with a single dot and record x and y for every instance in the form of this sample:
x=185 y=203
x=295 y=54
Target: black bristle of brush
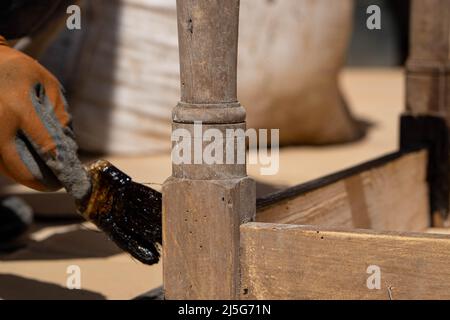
x=128 y=212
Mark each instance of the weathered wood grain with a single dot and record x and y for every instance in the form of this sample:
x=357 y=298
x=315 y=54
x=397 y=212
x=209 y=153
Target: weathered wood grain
x=201 y=222
x=427 y=93
x=204 y=205
x=427 y=67
x=307 y=262
x=391 y=194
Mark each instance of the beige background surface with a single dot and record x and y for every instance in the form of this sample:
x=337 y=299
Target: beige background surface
x=39 y=270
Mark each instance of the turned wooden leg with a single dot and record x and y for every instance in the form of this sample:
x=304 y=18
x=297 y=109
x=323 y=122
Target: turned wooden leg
x=205 y=204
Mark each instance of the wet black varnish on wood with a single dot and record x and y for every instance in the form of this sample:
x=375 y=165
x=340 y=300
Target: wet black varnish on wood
x=128 y=212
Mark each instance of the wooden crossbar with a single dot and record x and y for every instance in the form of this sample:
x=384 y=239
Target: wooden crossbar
x=312 y=262
x=389 y=193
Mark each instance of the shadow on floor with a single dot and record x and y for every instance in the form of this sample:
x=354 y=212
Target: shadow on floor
x=70 y=245
x=264 y=189
x=17 y=288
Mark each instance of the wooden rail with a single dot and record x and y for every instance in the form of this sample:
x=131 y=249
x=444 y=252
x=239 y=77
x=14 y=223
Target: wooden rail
x=389 y=193
x=312 y=262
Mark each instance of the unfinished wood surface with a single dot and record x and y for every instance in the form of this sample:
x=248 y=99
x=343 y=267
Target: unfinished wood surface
x=390 y=193
x=427 y=67
x=201 y=30
x=438 y=231
x=305 y=262
x=205 y=204
x=201 y=239
x=428 y=93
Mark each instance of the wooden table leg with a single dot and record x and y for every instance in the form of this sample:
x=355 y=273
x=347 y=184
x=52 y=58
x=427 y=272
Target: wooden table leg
x=427 y=118
x=205 y=204
x=429 y=62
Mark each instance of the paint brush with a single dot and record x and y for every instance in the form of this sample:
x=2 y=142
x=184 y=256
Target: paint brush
x=128 y=212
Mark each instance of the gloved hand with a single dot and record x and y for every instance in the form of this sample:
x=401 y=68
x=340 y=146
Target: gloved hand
x=37 y=146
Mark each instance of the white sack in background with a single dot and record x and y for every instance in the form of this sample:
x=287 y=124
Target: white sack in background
x=124 y=81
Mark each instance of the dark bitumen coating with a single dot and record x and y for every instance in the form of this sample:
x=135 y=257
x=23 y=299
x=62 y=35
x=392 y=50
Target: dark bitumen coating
x=128 y=212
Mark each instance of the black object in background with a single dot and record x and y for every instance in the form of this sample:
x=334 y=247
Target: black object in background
x=15 y=218
x=386 y=47
x=20 y=18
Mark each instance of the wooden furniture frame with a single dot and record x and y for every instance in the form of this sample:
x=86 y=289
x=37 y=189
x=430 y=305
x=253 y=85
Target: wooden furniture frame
x=325 y=238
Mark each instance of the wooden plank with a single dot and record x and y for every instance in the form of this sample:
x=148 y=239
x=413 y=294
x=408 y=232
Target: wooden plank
x=307 y=262
x=438 y=230
x=390 y=193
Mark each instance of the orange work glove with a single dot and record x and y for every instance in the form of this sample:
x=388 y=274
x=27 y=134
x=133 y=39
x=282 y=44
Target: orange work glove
x=37 y=146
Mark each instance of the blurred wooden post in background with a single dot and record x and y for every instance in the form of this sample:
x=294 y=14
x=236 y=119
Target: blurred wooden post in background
x=427 y=117
x=429 y=62
x=204 y=205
